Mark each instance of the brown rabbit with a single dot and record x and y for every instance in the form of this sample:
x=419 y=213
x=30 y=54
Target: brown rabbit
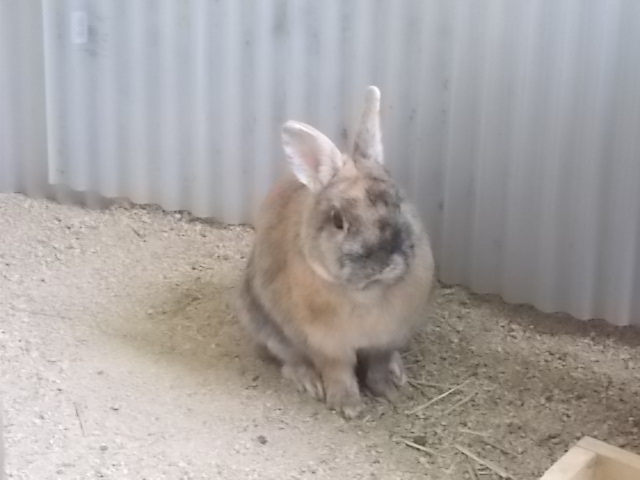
x=340 y=268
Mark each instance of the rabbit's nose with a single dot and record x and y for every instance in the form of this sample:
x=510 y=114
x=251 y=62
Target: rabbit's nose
x=397 y=260
x=395 y=268
x=379 y=257
x=392 y=240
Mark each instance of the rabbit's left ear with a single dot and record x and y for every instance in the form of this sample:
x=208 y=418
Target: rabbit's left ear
x=368 y=141
x=313 y=158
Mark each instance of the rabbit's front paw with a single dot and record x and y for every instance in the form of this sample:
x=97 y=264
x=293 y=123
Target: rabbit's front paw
x=385 y=375
x=344 y=397
x=396 y=367
x=305 y=378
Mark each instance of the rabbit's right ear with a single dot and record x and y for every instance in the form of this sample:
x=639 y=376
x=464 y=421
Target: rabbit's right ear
x=313 y=158
x=368 y=141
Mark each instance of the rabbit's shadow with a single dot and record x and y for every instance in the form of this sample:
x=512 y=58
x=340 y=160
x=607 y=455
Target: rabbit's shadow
x=191 y=321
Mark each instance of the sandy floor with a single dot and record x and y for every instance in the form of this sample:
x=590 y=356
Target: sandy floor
x=120 y=358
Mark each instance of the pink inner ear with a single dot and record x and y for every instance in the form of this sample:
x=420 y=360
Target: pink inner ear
x=312 y=162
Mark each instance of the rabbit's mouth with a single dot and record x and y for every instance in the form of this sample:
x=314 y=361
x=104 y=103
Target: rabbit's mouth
x=362 y=274
x=391 y=274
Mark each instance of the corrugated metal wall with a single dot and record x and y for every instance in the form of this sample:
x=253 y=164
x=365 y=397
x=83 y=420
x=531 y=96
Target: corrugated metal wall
x=23 y=130
x=514 y=125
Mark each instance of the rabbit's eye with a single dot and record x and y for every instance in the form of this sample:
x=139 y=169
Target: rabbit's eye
x=337 y=219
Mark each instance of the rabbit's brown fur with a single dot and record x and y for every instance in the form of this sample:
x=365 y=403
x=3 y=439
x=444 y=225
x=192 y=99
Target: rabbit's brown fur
x=339 y=271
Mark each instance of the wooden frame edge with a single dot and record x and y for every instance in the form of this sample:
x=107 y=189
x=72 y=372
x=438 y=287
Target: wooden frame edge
x=592 y=459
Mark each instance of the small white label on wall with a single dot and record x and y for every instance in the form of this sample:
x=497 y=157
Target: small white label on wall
x=79 y=27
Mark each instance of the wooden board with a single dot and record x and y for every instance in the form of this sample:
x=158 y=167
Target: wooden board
x=576 y=464
x=591 y=459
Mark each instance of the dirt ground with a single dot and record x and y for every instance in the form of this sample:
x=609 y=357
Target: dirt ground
x=121 y=358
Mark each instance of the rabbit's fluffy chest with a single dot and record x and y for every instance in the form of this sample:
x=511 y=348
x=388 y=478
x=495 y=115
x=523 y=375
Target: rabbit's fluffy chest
x=371 y=318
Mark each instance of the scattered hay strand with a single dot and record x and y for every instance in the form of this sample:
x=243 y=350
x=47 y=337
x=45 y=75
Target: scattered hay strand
x=472 y=470
x=411 y=444
x=438 y=398
x=498 y=470
x=77 y=410
x=498 y=447
x=482 y=470
x=474 y=432
x=421 y=383
x=461 y=402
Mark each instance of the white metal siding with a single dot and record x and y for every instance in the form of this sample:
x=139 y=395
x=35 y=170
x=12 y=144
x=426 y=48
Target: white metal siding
x=514 y=125
x=23 y=137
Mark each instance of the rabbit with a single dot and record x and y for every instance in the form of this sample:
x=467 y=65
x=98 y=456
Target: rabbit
x=340 y=270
